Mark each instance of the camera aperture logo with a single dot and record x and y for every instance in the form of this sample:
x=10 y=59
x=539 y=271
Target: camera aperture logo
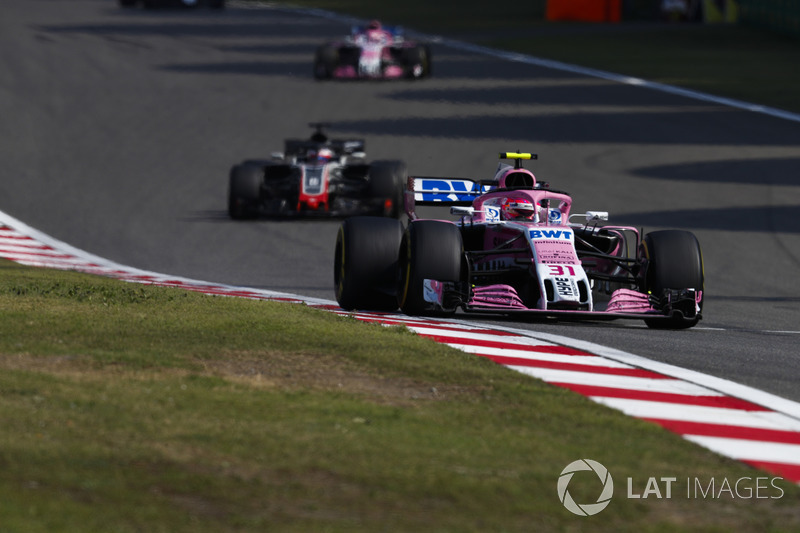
x=747 y=487
x=585 y=509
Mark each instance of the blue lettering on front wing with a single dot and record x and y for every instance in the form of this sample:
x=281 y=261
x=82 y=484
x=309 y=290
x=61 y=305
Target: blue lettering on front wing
x=536 y=234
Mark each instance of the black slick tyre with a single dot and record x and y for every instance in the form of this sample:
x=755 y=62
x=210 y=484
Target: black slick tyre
x=244 y=191
x=386 y=185
x=430 y=249
x=325 y=62
x=674 y=261
x=427 y=63
x=419 y=56
x=365 y=263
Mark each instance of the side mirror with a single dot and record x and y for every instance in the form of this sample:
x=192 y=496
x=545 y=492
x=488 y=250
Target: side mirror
x=594 y=216
x=277 y=156
x=462 y=211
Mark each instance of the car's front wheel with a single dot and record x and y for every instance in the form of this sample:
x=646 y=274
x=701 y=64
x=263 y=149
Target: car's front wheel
x=430 y=249
x=418 y=62
x=674 y=261
x=244 y=191
x=365 y=263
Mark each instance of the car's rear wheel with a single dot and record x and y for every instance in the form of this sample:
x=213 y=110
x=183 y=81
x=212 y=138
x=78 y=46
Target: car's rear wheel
x=430 y=249
x=365 y=263
x=325 y=62
x=674 y=261
x=386 y=185
x=244 y=191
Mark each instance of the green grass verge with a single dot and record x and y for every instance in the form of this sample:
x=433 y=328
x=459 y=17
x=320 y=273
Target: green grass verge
x=749 y=64
x=137 y=408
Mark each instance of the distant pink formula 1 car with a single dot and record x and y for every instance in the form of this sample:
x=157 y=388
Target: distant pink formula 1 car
x=514 y=250
x=373 y=52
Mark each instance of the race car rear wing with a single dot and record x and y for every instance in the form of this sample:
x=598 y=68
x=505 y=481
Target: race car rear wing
x=445 y=192
x=297 y=147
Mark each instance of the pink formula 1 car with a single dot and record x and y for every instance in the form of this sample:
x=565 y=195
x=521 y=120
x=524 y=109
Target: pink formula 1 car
x=515 y=250
x=373 y=52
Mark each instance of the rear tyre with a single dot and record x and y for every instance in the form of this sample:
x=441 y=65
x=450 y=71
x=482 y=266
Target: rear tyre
x=244 y=191
x=386 y=186
x=430 y=249
x=365 y=263
x=325 y=62
x=674 y=261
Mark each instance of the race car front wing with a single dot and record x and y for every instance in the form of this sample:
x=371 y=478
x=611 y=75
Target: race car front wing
x=447 y=297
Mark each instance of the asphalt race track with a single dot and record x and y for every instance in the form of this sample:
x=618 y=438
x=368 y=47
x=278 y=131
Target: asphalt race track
x=119 y=126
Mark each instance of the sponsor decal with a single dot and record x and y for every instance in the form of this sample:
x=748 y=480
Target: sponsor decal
x=491 y=213
x=565 y=287
x=442 y=190
x=554 y=234
x=313 y=180
x=554 y=216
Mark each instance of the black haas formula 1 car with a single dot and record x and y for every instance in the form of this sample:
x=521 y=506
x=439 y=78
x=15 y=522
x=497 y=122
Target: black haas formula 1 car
x=318 y=176
x=514 y=250
x=373 y=51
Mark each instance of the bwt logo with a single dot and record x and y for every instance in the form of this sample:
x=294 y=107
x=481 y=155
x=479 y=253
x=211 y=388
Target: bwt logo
x=551 y=234
x=585 y=509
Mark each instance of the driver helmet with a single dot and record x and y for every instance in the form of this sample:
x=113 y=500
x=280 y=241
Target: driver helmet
x=518 y=209
x=374 y=25
x=323 y=155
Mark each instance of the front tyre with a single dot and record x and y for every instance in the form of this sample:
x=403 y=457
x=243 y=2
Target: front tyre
x=417 y=62
x=365 y=263
x=674 y=261
x=325 y=62
x=244 y=191
x=430 y=249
